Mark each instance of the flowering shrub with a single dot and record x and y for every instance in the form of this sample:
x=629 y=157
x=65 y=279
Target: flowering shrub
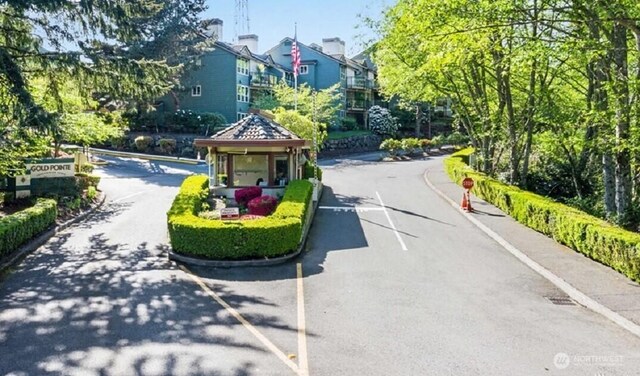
x=244 y=195
x=263 y=205
x=381 y=122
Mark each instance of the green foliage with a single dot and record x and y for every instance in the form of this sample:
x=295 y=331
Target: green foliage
x=167 y=145
x=92 y=193
x=328 y=102
x=18 y=228
x=131 y=51
x=392 y=146
x=85 y=180
x=406 y=145
x=195 y=122
x=307 y=173
x=411 y=144
x=143 y=143
x=348 y=124
x=271 y=236
x=301 y=125
x=588 y=235
x=347 y=134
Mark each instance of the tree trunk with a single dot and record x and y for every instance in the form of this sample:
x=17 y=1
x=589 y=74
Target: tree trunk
x=609 y=181
x=531 y=103
x=418 y=119
x=621 y=90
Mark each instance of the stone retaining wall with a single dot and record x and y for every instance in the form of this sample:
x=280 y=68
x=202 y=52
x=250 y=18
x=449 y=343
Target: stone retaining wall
x=354 y=144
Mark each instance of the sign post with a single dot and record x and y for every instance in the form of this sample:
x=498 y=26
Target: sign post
x=467 y=184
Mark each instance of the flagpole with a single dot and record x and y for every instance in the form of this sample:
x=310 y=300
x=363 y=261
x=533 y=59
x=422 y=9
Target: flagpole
x=295 y=74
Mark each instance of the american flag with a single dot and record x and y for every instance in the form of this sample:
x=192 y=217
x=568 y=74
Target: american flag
x=295 y=57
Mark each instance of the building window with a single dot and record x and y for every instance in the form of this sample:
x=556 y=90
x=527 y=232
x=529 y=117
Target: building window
x=250 y=170
x=243 y=67
x=241 y=115
x=243 y=93
x=304 y=69
x=196 y=91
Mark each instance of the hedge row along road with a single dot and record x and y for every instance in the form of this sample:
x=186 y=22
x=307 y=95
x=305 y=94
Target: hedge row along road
x=394 y=282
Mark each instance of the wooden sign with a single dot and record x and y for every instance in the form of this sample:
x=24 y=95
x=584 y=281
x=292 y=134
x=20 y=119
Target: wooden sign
x=229 y=213
x=51 y=168
x=467 y=183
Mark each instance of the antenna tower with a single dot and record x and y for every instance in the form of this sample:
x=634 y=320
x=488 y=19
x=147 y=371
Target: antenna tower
x=241 y=19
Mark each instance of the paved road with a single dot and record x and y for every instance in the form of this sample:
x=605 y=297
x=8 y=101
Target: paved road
x=402 y=286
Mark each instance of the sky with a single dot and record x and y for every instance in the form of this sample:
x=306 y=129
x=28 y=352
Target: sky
x=273 y=20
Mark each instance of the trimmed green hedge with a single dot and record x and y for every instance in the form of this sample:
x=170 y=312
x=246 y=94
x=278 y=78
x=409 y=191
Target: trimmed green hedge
x=308 y=171
x=595 y=238
x=272 y=236
x=18 y=228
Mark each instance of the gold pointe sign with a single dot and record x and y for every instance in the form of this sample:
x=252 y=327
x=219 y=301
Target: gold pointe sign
x=51 y=168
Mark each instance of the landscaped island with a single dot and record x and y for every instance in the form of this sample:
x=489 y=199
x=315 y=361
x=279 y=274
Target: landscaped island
x=277 y=234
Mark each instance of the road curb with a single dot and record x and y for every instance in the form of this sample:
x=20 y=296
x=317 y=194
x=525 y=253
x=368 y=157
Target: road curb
x=252 y=263
x=575 y=294
x=39 y=240
x=150 y=157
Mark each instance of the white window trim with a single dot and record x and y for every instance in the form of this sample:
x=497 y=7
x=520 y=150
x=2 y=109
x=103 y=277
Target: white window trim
x=240 y=69
x=242 y=93
x=241 y=115
x=306 y=69
x=196 y=91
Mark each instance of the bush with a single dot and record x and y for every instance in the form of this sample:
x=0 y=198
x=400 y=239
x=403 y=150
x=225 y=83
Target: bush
x=167 y=145
x=263 y=205
x=308 y=171
x=348 y=124
x=143 y=143
x=271 y=236
x=588 y=235
x=411 y=145
x=92 y=192
x=391 y=146
x=426 y=143
x=56 y=187
x=244 y=195
x=85 y=180
x=18 y=228
x=381 y=122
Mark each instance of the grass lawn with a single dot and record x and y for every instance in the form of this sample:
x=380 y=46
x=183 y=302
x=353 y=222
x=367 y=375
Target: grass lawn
x=337 y=135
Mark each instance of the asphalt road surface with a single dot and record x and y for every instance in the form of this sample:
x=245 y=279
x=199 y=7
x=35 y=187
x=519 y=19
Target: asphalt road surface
x=394 y=282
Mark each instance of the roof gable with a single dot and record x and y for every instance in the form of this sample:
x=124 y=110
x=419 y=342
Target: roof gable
x=255 y=127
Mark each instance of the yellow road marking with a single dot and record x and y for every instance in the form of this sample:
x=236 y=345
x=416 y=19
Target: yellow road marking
x=275 y=350
x=303 y=362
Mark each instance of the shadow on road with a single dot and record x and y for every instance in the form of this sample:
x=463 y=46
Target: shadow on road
x=109 y=308
x=330 y=232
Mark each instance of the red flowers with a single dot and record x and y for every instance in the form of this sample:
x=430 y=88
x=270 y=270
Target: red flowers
x=263 y=205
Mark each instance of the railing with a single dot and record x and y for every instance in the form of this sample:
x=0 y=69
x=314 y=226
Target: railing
x=359 y=83
x=259 y=79
x=356 y=104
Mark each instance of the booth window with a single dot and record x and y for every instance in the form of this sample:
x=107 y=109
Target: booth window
x=248 y=169
x=281 y=172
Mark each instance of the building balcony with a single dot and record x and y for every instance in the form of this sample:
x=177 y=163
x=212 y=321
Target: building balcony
x=265 y=80
x=356 y=105
x=360 y=83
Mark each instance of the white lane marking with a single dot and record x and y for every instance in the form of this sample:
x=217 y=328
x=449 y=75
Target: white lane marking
x=357 y=209
x=563 y=285
x=395 y=230
x=129 y=196
x=303 y=362
x=275 y=350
